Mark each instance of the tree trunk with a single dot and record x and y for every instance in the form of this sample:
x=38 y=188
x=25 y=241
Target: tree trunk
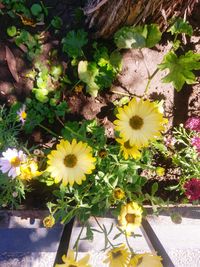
x=105 y=17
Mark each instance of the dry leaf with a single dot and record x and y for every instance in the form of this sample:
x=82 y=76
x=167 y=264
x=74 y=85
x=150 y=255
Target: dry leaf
x=12 y=64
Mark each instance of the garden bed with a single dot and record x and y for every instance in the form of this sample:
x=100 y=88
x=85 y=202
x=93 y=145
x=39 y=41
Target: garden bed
x=92 y=124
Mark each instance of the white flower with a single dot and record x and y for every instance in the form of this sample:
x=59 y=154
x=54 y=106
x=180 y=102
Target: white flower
x=22 y=114
x=11 y=161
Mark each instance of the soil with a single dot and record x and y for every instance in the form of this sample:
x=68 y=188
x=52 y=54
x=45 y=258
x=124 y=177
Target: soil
x=137 y=66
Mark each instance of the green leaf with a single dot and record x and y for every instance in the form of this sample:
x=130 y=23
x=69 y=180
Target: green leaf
x=36 y=9
x=180 y=68
x=73 y=43
x=89 y=233
x=87 y=73
x=137 y=37
x=116 y=60
x=153 y=35
x=12 y=31
x=129 y=37
x=181 y=26
x=57 y=22
x=154 y=188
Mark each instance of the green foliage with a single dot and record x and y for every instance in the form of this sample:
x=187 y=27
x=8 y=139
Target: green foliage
x=56 y=22
x=12 y=191
x=185 y=155
x=36 y=10
x=85 y=130
x=74 y=42
x=38 y=112
x=180 y=68
x=101 y=72
x=137 y=36
x=12 y=31
x=87 y=73
x=31 y=43
x=9 y=127
x=46 y=80
x=181 y=26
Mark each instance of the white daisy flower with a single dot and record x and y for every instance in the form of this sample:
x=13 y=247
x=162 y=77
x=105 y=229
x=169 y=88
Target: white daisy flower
x=22 y=114
x=11 y=161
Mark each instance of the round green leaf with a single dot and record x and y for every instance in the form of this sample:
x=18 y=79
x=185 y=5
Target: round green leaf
x=12 y=31
x=36 y=9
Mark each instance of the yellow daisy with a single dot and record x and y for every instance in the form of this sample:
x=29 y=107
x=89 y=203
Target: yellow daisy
x=139 y=122
x=70 y=162
x=128 y=150
x=130 y=217
x=118 y=257
x=29 y=170
x=118 y=193
x=69 y=261
x=145 y=260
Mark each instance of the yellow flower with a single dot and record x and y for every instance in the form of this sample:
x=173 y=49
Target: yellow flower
x=139 y=122
x=70 y=162
x=118 y=193
x=78 y=88
x=102 y=153
x=145 y=260
x=128 y=150
x=118 y=257
x=160 y=171
x=130 y=217
x=49 y=221
x=29 y=170
x=70 y=261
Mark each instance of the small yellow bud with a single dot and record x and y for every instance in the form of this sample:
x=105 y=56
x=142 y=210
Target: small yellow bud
x=118 y=193
x=160 y=171
x=49 y=221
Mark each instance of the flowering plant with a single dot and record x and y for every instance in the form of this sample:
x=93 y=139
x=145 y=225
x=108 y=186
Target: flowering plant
x=93 y=175
x=185 y=155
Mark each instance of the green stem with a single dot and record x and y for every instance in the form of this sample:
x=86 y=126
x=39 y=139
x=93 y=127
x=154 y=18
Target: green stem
x=77 y=241
x=75 y=84
x=75 y=133
x=149 y=81
x=48 y=130
x=128 y=244
x=103 y=232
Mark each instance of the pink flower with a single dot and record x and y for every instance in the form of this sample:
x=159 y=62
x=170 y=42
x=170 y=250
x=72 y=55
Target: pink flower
x=193 y=123
x=22 y=114
x=192 y=189
x=196 y=143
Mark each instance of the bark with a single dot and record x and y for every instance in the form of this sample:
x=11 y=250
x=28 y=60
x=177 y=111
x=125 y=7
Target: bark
x=105 y=17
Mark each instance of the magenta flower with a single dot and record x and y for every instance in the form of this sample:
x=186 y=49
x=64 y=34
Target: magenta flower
x=192 y=189
x=193 y=123
x=196 y=143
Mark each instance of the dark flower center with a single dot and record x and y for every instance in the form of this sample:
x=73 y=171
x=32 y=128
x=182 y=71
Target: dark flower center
x=139 y=261
x=130 y=218
x=116 y=254
x=127 y=145
x=136 y=122
x=70 y=160
x=71 y=265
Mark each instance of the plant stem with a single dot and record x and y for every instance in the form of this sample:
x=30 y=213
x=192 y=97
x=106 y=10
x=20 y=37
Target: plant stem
x=149 y=80
x=103 y=232
x=77 y=241
x=128 y=244
x=48 y=130
x=75 y=133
